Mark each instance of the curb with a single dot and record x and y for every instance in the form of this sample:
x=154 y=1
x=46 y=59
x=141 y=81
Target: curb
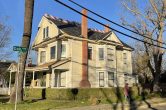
x=153 y=105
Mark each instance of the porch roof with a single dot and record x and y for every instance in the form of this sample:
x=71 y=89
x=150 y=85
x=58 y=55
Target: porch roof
x=60 y=64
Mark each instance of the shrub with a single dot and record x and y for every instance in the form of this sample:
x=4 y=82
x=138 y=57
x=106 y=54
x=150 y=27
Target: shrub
x=110 y=95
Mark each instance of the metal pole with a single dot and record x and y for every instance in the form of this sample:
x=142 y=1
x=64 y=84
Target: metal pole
x=9 y=83
x=24 y=79
x=17 y=81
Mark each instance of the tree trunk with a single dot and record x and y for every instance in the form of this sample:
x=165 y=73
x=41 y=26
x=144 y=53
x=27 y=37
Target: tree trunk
x=29 y=5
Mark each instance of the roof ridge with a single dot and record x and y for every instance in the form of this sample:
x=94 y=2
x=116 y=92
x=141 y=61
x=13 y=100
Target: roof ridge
x=71 y=22
x=61 y=19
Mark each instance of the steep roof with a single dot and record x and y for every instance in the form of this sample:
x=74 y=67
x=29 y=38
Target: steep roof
x=4 y=66
x=74 y=28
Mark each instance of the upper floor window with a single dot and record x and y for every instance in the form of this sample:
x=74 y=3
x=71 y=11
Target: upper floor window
x=90 y=53
x=101 y=53
x=45 y=32
x=52 y=52
x=63 y=50
x=42 y=56
x=125 y=58
x=110 y=54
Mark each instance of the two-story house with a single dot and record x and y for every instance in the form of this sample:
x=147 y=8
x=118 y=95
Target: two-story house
x=72 y=55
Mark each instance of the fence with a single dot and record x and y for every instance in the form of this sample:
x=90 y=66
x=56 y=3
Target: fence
x=4 y=91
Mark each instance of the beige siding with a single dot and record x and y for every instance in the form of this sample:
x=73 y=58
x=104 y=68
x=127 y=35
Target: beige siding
x=76 y=59
x=53 y=30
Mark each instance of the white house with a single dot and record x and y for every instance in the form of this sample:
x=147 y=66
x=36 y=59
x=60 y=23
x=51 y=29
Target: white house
x=72 y=55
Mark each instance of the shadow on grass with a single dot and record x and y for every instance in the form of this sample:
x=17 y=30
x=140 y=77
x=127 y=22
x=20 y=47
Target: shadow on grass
x=144 y=100
x=4 y=98
x=118 y=101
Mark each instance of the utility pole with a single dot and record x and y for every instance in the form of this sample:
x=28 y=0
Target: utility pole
x=28 y=16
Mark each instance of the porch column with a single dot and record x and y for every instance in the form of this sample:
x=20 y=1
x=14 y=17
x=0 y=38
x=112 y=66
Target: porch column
x=53 y=78
x=48 y=80
x=33 y=80
x=10 y=83
x=24 y=79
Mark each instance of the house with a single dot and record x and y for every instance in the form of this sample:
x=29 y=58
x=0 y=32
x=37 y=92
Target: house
x=72 y=55
x=3 y=70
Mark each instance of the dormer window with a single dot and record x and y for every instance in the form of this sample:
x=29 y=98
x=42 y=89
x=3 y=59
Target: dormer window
x=45 y=32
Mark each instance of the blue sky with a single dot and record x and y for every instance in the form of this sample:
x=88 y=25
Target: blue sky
x=14 y=11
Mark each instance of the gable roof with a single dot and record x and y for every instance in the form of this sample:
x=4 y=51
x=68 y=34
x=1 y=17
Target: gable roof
x=74 y=29
x=4 y=66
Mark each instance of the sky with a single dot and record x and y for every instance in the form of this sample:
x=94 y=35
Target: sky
x=13 y=10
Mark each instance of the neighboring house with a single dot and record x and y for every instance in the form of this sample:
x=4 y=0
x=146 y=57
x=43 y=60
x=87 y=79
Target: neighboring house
x=3 y=73
x=72 y=55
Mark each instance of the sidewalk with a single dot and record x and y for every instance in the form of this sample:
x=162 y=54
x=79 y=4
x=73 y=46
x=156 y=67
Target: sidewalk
x=150 y=103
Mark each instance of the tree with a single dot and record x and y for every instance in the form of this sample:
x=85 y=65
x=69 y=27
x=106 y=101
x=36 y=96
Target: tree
x=4 y=41
x=149 y=19
x=140 y=64
x=29 y=5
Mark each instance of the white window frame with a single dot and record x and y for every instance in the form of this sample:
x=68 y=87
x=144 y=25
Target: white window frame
x=54 y=53
x=125 y=58
x=41 y=61
x=112 y=79
x=46 y=32
x=91 y=53
x=99 y=53
x=65 y=55
x=101 y=79
x=111 y=55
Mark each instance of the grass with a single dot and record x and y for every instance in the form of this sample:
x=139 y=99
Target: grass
x=38 y=104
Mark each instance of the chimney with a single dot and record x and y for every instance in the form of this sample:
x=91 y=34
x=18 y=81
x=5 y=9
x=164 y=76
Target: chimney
x=84 y=32
x=106 y=29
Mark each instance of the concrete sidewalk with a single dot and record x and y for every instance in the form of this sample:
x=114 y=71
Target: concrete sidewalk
x=150 y=103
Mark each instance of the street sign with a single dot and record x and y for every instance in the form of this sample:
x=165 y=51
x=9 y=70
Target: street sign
x=20 y=49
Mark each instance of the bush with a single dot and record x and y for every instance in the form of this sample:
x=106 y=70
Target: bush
x=101 y=94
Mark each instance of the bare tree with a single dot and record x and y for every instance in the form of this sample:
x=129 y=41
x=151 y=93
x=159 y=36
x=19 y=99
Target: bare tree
x=140 y=64
x=4 y=41
x=29 y=5
x=149 y=20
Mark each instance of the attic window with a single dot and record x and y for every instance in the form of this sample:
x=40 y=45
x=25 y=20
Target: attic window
x=45 y=32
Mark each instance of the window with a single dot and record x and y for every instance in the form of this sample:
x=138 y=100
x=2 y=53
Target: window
x=110 y=54
x=101 y=53
x=62 y=81
x=90 y=53
x=101 y=79
x=125 y=58
x=45 y=32
x=110 y=79
x=63 y=50
x=125 y=78
x=42 y=56
x=52 y=52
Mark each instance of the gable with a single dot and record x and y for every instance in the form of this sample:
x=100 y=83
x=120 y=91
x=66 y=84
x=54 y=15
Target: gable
x=53 y=30
x=113 y=37
x=13 y=67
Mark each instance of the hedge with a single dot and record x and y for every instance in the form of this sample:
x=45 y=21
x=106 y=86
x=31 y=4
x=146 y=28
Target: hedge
x=108 y=94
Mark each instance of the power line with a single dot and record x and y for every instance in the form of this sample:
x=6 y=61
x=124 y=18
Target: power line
x=114 y=22
x=106 y=25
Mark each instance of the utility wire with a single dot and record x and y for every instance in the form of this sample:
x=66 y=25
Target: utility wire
x=106 y=25
x=114 y=22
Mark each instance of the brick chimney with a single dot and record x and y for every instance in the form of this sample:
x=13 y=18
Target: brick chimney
x=84 y=32
x=106 y=29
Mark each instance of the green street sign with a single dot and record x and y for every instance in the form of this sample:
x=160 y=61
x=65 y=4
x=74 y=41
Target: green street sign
x=20 y=49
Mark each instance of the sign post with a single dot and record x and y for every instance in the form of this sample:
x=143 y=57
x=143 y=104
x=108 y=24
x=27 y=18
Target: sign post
x=20 y=51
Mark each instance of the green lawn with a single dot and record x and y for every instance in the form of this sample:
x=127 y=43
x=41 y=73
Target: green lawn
x=42 y=104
